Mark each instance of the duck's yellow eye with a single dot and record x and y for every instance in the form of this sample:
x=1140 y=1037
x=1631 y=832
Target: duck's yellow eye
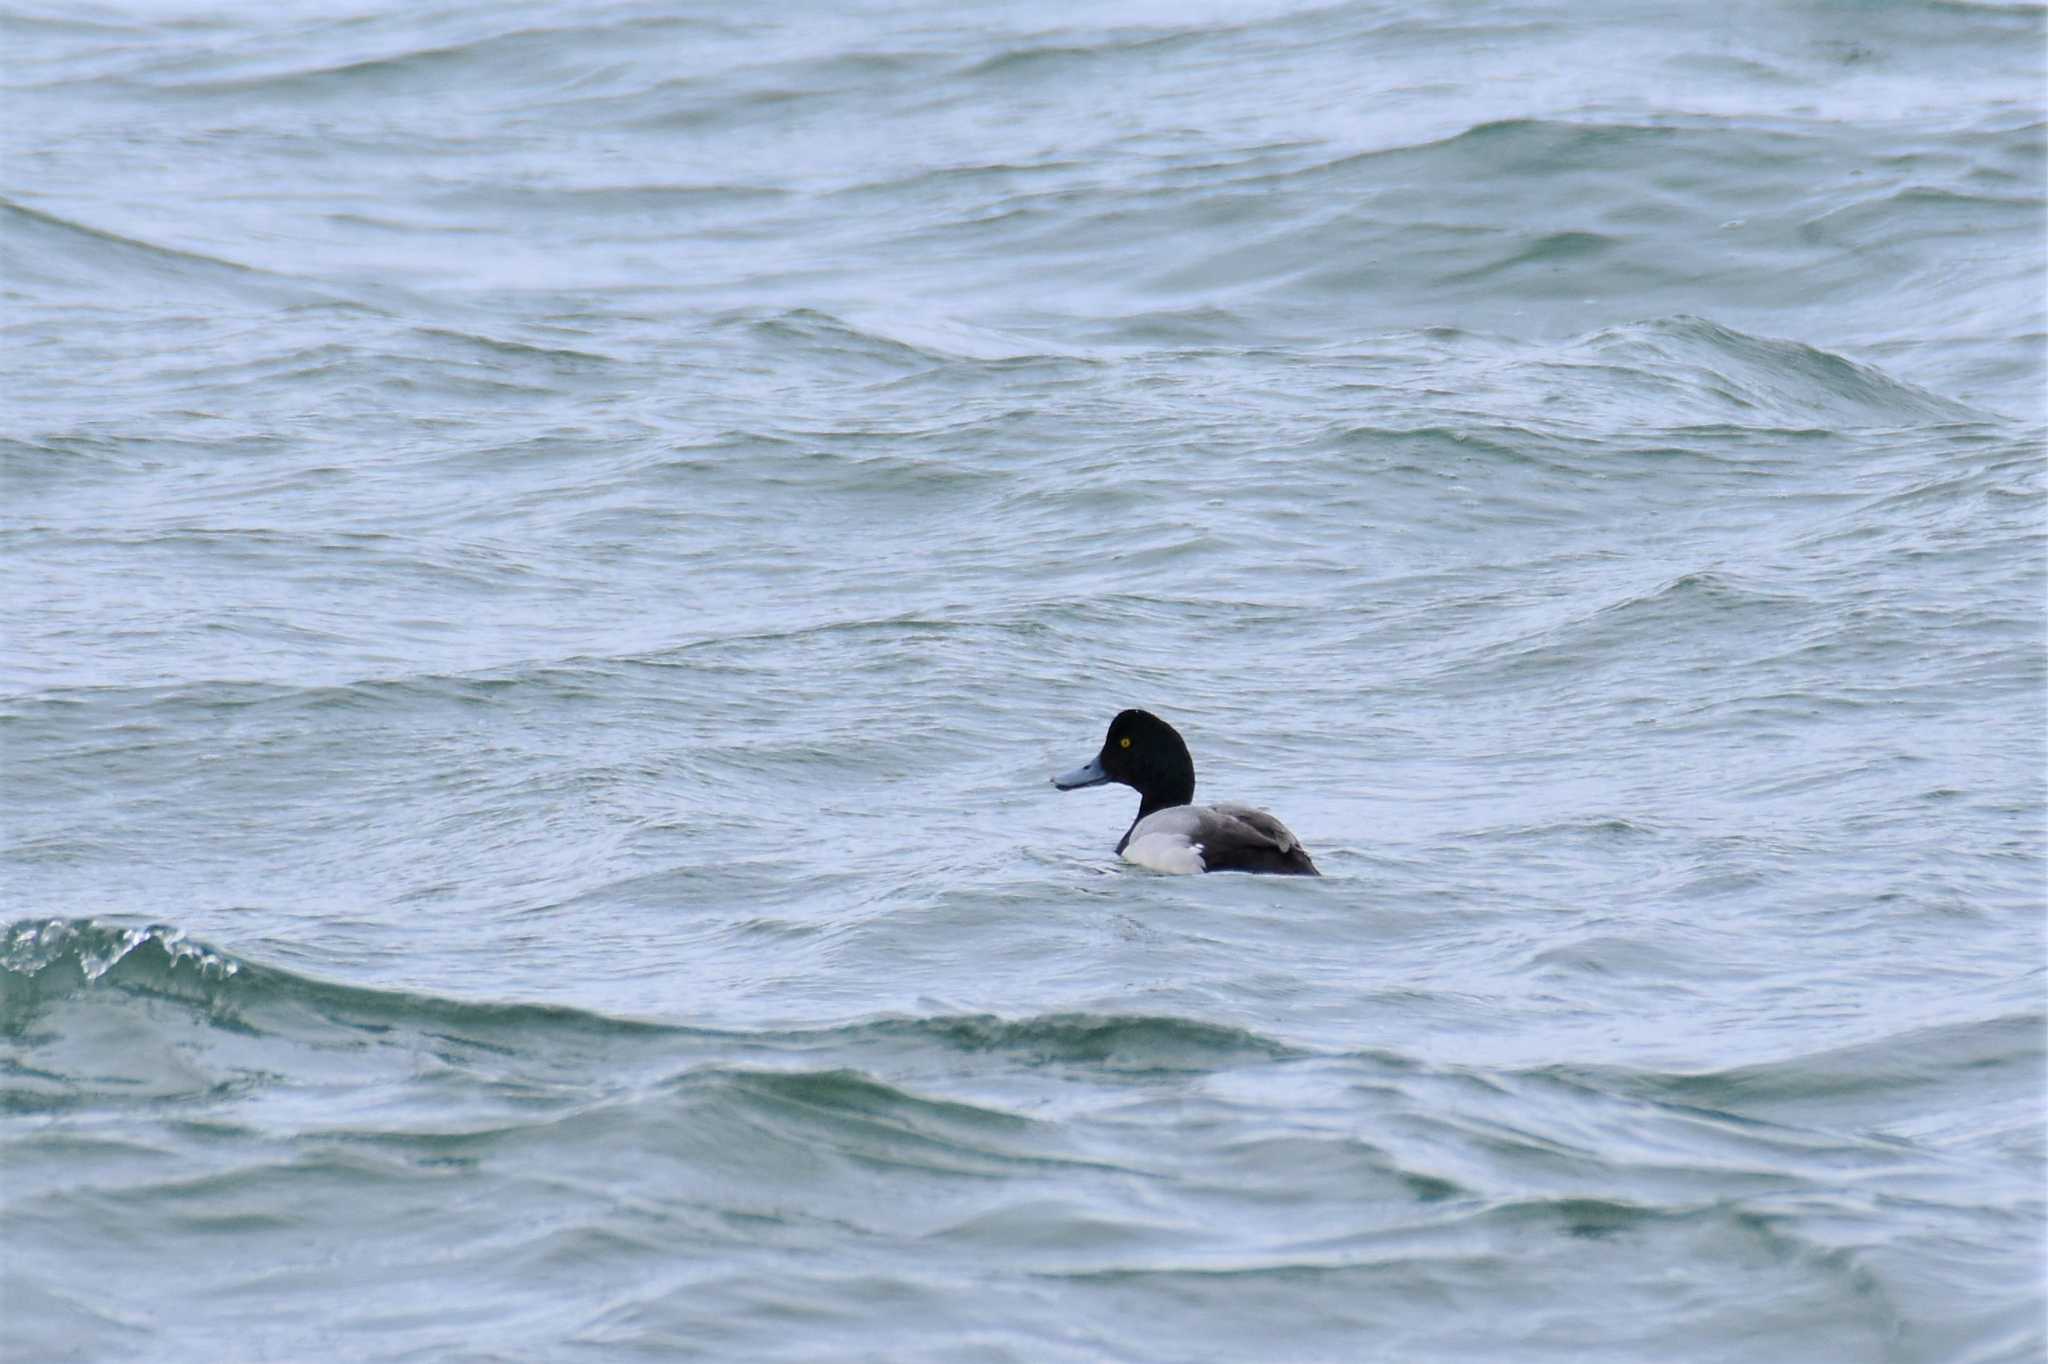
x=1124 y=742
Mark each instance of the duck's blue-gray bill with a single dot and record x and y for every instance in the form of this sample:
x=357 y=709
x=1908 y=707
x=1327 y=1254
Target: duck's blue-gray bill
x=1091 y=775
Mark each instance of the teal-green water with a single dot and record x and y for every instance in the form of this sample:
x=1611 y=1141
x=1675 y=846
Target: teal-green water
x=551 y=551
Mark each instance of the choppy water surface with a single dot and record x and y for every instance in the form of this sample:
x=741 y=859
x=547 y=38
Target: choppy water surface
x=551 y=550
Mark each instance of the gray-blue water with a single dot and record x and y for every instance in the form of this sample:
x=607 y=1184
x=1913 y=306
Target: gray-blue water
x=550 y=552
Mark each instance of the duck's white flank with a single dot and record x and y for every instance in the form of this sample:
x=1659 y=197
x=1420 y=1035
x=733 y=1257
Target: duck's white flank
x=1170 y=853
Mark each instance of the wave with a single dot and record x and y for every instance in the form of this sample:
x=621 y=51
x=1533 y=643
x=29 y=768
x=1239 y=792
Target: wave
x=45 y=961
x=1971 y=1054
x=48 y=963
x=47 y=247
x=1113 y=1041
x=826 y=336
x=1054 y=58
x=560 y=1133
x=1730 y=372
x=398 y=64
x=1693 y=377
x=1687 y=389
x=547 y=675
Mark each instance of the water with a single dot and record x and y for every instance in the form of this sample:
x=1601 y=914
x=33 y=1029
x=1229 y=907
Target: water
x=551 y=551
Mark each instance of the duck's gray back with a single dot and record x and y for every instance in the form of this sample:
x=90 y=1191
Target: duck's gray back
x=1272 y=830
x=1223 y=837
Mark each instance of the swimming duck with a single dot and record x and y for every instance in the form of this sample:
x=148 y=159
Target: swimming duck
x=1171 y=833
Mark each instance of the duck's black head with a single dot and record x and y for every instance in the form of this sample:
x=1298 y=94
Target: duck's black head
x=1145 y=753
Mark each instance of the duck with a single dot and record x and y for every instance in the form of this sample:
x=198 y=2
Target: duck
x=1171 y=833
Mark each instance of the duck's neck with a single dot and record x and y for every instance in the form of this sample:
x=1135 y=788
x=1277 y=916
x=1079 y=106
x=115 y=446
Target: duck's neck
x=1166 y=795
x=1154 y=799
